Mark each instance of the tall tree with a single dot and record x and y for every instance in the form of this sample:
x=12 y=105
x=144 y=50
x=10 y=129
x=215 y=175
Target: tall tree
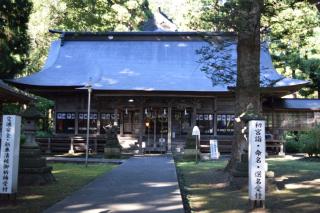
x=292 y=28
x=243 y=18
x=294 y=41
x=248 y=19
x=14 y=40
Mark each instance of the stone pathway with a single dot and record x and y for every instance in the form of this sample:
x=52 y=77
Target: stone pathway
x=141 y=184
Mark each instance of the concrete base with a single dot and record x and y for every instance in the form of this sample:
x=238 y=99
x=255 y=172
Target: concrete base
x=190 y=152
x=253 y=204
x=112 y=152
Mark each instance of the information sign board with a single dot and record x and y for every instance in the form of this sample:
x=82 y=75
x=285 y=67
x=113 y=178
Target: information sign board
x=9 y=155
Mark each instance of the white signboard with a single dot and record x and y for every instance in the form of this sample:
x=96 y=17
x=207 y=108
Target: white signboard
x=9 y=156
x=214 y=153
x=257 y=151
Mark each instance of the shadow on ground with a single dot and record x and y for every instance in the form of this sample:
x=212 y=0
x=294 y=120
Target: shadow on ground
x=208 y=191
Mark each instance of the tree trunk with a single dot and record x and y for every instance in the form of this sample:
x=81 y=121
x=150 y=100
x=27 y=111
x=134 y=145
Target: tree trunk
x=318 y=87
x=248 y=74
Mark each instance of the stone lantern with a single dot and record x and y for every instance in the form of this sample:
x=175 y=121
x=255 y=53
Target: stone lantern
x=33 y=168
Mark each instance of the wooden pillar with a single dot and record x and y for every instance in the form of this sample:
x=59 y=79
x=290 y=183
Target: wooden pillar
x=215 y=117
x=55 y=116
x=194 y=114
x=95 y=145
x=121 y=123
x=49 y=146
x=76 y=125
x=141 y=125
x=169 y=128
x=1 y=106
x=71 y=150
x=98 y=116
x=155 y=131
x=115 y=123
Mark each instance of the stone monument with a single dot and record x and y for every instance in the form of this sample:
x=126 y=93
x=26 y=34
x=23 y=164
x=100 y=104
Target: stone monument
x=239 y=177
x=33 y=168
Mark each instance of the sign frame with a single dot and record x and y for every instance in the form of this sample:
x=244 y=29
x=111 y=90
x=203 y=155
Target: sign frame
x=9 y=154
x=214 y=152
x=256 y=156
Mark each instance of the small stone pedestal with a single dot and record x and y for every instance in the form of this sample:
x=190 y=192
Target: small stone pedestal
x=33 y=169
x=239 y=176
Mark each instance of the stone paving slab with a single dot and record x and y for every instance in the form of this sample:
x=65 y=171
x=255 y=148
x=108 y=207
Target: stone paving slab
x=141 y=184
x=82 y=160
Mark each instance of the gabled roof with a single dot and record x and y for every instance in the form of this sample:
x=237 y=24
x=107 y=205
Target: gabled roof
x=144 y=61
x=294 y=104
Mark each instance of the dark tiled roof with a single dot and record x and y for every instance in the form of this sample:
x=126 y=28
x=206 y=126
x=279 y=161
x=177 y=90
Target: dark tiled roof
x=294 y=104
x=11 y=94
x=139 y=61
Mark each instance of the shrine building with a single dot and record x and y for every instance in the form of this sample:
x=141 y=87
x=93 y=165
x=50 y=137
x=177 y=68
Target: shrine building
x=151 y=86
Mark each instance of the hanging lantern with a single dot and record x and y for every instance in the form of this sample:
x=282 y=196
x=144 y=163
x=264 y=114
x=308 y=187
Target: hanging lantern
x=185 y=111
x=164 y=111
x=126 y=111
x=146 y=111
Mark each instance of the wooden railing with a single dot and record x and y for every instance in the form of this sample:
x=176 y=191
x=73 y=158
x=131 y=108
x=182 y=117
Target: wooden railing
x=70 y=144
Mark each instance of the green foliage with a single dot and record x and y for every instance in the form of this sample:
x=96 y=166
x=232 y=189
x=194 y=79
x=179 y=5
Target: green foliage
x=190 y=141
x=291 y=26
x=11 y=109
x=45 y=124
x=43 y=134
x=293 y=146
x=307 y=142
x=294 y=37
x=22 y=139
x=82 y=15
x=14 y=40
x=311 y=141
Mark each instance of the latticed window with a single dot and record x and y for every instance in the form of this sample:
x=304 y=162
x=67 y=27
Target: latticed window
x=205 y=123
x=82 y=123
x=225 y=124
x=65 y=122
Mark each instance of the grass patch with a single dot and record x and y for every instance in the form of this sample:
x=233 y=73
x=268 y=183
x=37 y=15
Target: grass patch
x=207 y=190
x=69 y=176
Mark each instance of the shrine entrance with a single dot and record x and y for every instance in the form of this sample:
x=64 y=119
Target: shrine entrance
x=156 y=129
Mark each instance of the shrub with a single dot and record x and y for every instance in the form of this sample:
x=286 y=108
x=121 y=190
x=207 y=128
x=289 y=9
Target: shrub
x=41 y=133
x=293 y=145
x=311 y=141
x=190 y=141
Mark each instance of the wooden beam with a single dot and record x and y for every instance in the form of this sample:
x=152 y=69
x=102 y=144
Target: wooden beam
x=169 y=127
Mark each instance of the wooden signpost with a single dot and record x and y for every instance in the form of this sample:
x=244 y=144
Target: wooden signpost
x=9 y=156
x=257 y=152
